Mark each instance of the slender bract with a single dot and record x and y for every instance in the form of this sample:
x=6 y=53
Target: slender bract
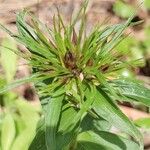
x=77 y=78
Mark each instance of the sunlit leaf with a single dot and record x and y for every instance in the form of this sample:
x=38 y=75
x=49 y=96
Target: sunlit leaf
x=143 y=123
x=147 y=4
x=105 y=107
x=8 y=58
x=51 y=121
x=8 y=132
x=133 y=91
x=39 y=142
x=122 y=9
x=104 y=140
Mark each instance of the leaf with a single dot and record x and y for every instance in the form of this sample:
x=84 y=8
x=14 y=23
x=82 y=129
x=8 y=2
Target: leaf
x=28 y=113
x=29 y=38
x=102 y=80
x=8 y=132
x=94 y=123
x=104 y=54
x=132 y=90
x=23 y=140
x=51 y=121
x=29 y=116
x=20 y=124
x=105 y=141
x=143 y=122
x=69 y=125
x=147 y=4
x=123 y=10
x=126 y=45
x=65 y=139
x=38 y=142
x=32 y=78
x=9 y=59
x=105 y=108
x=110 y=30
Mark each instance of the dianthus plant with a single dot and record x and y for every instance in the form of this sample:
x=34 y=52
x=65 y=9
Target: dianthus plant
x=77 y=77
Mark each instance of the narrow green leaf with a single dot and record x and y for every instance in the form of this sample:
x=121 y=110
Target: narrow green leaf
x=69 y=125
x=18 y=82
x=102 y=80
x=6 y=30
x=143 y=123
x=39 y=142
x=8 y=132
x=104 y=53
x=105 y=107
x=132 y=90
x=51 y=121
x=122 y=9
x=28 y=113
x=105 y=141
x=20 y=124
x=9 y=59
x=147 y=4
x=29 y=116
x=94 y=123
x=23 y=140
x=63 y=140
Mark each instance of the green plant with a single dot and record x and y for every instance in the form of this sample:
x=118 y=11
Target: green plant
x=76 y=77
x=139 y=49
x=147 y=4
x=143 y=122
x=122 y=9
x=18 y=119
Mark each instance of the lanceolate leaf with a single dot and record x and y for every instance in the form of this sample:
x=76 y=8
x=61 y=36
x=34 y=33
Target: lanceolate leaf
x=52 y=117
x=132 y=90
x=95 y=123
x=63 y=140
x=143 y=122
x=9 y=59
x=39 y=141
x=19 y=82
x=23 y=140
x=69 y=125
x=8 y=132
x=105 y=141
x=105 y=107
x=122 y=9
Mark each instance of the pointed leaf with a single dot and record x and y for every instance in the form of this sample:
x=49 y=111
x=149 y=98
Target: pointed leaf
x=8 y=58
x=51 y=121
x=143 y=123
x=8 y=132
x=39 y=142
x=32 y=78
x=133 y=91
x=105 y=107
x=105 y=141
